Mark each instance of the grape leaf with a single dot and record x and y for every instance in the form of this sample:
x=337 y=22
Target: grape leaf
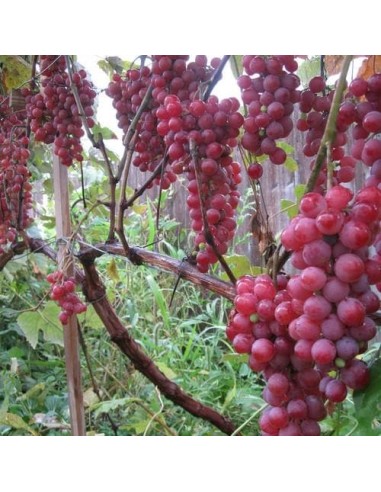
x=333 y=63
x=368 y=406
x=46 y=320
x=289 y=149
x=104 y=132
x=299 y=192
x=90 y=398
x=15 y=70
x=112 y=270
x=238 y=264
x=369 y=66
x=108 y=406
x=236 y=64
x=28 y=322
x=309 y=69
x=289 y=207
x=291 y=164
x=90 y=318
x=167 y=371
x=16 y=422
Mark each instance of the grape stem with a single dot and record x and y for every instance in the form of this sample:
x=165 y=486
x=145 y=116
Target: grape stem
x=216 y=77
x=330 y=129
x=257 y=412
x=98 y=144
x=132 y=129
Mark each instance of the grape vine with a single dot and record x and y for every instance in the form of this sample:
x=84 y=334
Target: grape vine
x=306 y=323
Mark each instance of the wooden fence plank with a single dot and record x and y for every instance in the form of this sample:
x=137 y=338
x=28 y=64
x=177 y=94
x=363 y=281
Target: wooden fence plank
x=71 y=335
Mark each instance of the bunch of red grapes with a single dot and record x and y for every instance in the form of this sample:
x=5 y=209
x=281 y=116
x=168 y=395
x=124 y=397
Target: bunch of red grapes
x=168 y=75
x=211 y=128
x=53 y=112
x=174 y=119
x=269 y=88
x=305 y=333
x=63 y=292
x=15 y=188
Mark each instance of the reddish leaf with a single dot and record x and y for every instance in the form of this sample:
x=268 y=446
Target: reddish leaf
x=333 y=63
x=369 y=66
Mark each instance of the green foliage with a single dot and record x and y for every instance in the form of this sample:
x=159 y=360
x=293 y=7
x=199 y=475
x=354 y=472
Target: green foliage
x=290 y=207
x=240 y=265
x=308 y=69
x=367 y=404
x=236 y=65
x=15 y=69
x=46 y=321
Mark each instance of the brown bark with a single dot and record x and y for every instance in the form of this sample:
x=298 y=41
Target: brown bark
x=184 y=269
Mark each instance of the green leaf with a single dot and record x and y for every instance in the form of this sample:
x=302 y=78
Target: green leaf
x=90 y=398
x=368 y=404
x=309 y=69
x=233 y=357
x=160 y=301
x=29 y=325
x=15 y=71
x=50 y=325
x=139 y=208
x=90 y=318
x=137 y=427
x=236 y=64
x=31 y=322
x=230 y=395
x=16 y=422
x=255 y=270
x=108 y=406
x=104 y=132
x=238 y=264
x=290 y=164
x=299 y=191
x=289 y=207
x=167 y=371
x=289 y=149
x=112 y=270
x=34 y=392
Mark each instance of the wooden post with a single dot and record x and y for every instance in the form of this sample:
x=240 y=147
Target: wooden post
x=71 y=335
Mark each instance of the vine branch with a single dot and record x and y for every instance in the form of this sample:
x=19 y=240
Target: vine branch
x=95 y=293
x=216 y=77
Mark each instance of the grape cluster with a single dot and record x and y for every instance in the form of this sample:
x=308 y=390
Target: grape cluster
x=305 y=333
x=315 y=104
x=212 y=127
x=174 y=119
x=63 y=292
x=259 y=325
x=360 y=112
x=53 y=112
x=15 y=188
x=363 y=110
x=169 y=75
x=270 y=97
